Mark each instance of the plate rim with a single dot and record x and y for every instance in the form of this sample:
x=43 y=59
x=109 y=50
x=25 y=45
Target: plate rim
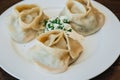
x=90 y=77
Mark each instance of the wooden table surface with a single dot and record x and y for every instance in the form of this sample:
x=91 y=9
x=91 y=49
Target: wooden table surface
x=113 y=73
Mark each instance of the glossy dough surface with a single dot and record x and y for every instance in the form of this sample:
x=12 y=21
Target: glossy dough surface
x=85 y=19
x=54 y=51
x=26 y=21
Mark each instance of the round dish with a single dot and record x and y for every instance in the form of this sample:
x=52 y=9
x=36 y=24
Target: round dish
x=101 y=48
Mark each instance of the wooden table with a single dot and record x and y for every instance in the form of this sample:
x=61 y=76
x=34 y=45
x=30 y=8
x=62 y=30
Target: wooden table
x=113 y=73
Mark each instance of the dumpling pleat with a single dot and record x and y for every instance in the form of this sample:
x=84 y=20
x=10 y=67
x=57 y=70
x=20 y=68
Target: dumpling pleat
x=84 y=18
x=54 y=51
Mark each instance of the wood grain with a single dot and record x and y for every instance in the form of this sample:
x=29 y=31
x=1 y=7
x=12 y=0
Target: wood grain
x=113 y=73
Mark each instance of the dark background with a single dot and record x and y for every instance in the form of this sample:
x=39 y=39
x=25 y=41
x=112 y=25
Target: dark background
x=113 y=73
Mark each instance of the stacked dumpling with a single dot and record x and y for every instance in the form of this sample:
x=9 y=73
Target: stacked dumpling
x=26 y=21
x=55 y=51
x=85 y=19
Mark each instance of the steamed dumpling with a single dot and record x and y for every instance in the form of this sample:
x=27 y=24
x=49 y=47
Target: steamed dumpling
x=54 y=51
x=85 y=19
x=26 y=21
x=24 y=7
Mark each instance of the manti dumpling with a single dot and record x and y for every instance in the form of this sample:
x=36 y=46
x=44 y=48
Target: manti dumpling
x=85 y=19
x=55 y=51
x=26 y=21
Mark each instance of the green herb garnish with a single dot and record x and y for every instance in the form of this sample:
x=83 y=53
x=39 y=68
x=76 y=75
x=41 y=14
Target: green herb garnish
x=69 y=30
x=66 y=21
x=60 y=23
x=45 y=22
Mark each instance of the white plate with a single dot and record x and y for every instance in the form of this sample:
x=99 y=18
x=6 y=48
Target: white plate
x=101 y=49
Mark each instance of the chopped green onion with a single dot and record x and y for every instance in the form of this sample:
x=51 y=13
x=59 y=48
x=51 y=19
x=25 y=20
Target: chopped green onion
x=66 y=21
x=60 y=27
x=60 y=23
x=45 y=22
x=69 y=30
